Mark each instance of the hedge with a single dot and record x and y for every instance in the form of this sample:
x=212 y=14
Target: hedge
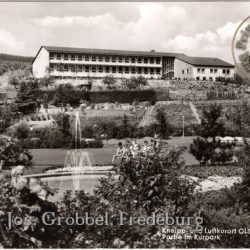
x=112 y=96
x=121 y=96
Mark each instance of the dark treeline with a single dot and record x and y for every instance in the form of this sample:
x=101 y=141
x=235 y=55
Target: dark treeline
x=8 y=57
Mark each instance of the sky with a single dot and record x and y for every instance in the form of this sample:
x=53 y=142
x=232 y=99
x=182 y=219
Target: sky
x=196 y=29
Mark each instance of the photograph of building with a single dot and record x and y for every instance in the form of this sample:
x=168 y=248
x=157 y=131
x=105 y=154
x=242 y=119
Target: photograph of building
x=81 y=62
x=124 y=125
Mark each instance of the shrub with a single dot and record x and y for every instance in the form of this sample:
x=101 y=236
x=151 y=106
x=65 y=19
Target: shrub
x=27 y=107
x=22 y=131
x=110 y=81
x=66 y=94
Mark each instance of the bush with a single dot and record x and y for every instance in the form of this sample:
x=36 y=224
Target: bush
x=22 y=131
x=96 y=143
x=27 y=107
x=134 y=82
x=66 y=94
x=110 y=81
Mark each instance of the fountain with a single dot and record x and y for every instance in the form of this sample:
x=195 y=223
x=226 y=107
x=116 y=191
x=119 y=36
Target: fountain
x=77 y=172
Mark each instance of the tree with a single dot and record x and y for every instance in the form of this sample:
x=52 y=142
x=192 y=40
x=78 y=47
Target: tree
x=45 y=101
x=211 y=123
x=125 y=126
x=128 y=84
x=13 y=81
x=205 y=147
x=109 y=81
x=135 y=82
x=63 y=123
x=47 y=81
x=141 y=82
x=164 y=128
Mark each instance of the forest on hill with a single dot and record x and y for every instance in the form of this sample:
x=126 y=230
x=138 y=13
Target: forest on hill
x=15 y=58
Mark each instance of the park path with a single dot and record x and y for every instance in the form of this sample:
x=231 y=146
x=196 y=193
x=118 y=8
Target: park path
x=195 y=113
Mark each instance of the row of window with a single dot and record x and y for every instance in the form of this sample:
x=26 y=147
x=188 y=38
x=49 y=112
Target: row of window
x=187 y=70
x=102 y=69
x=101 y=58
x=204 y=78
x=213 y=71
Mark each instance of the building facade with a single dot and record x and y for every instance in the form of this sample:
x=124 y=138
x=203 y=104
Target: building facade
x=65 y=62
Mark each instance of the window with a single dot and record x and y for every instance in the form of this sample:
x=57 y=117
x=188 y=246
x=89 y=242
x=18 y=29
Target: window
x=203 y=71
x=80 y=57
x=197 y=78
x=187 y=71
x=211 y=78
x=139 y=60
x=58 y=56
x=86 y=57
x=100 y=69
x=133 y=70
x=198 y=70
x=145 y=70
x=93 y=68
x=133 y=60
x=224 y=71
x=158 y=71
x=87 y=68
x=51 y=66
x=211 y=71
x=204 y=78
x=152 y=60
x=145 y=60
x=127 y=70
x=215 y=70
x=100 y=58
x=66 y=56
x=66 y=67
x=106 y=58
x=51 y=55
x=93 y=58
x=120 y=59
x=107 y=69
x=183 y=72
x=113 y=69
x=73 y=68
x=126 y=59
x=152 y=71
x=120 y=70
x=113 y=58
x=139 y=70
x=228 y=71
x=73 y=57
x=79 y=68
x=158 y=60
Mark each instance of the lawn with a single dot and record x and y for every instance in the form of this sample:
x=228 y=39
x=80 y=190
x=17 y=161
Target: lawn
x=48 y=157
x=43 y=158
x=175 y=112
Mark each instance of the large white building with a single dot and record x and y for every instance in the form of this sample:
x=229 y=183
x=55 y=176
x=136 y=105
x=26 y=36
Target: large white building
x=65 y=62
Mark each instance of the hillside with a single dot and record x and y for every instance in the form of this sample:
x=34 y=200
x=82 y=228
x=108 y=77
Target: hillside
x=15 y=58
x=10 y=63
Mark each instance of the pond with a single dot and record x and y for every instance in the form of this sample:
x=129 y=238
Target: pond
x=86 y=182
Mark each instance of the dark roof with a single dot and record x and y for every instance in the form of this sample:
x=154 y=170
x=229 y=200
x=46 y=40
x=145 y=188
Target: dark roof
x=204 y=61
x=110 y=52
x=196 y=61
